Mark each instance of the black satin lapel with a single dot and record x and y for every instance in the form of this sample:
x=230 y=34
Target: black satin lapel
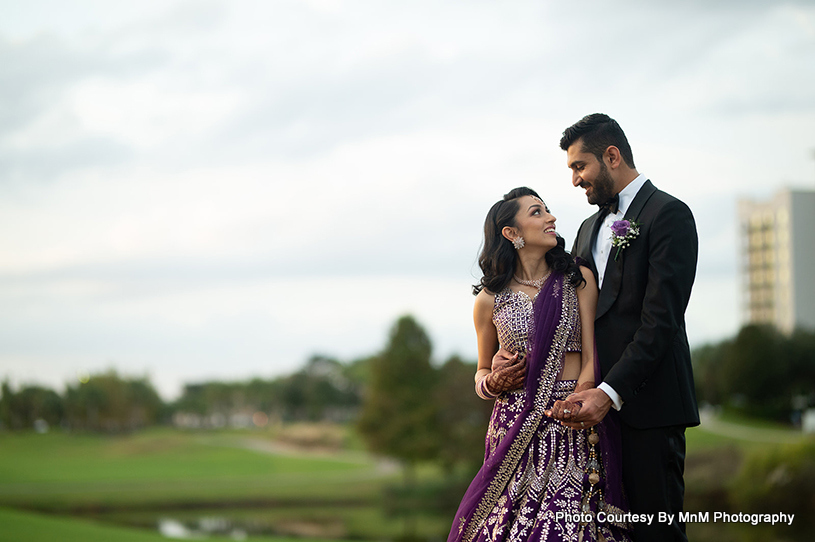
x=587 y=242
x=595 y=227
x=614 y=268
x=639 y=201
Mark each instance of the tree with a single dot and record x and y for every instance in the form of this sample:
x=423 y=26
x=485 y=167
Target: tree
x=320 y=391
x=5 y=405
x=707 y=372
x=108 y=402
x=802 y=363
x=759 y=371
x=755 y=369
x=21 y=409
x=399 y=416
x=463 y=417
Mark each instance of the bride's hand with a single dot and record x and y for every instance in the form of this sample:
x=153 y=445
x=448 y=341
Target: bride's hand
x=564 y=411
x=508 y=373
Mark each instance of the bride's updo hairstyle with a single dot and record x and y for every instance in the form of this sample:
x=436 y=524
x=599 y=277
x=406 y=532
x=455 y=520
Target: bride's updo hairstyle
x=499 y=256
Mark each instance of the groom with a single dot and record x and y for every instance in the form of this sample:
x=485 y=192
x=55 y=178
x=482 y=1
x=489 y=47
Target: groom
x=645 y=283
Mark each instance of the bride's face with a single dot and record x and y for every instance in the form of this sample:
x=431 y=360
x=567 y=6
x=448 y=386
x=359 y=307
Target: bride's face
x=535 y=223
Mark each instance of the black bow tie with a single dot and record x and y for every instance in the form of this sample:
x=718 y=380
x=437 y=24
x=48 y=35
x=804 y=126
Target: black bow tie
x=612 y=205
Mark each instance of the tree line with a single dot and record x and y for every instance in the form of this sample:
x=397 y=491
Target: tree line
x=324 y=389
x=105 y=402
x=760 y=372
x=404 y=405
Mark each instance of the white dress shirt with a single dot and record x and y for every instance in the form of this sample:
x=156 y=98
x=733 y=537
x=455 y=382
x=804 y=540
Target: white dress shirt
x=602 y=248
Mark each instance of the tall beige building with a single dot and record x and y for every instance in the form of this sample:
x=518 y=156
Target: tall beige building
x=778 y=260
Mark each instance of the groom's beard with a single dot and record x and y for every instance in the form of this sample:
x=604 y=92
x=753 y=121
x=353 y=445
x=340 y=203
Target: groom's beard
x=602 y=187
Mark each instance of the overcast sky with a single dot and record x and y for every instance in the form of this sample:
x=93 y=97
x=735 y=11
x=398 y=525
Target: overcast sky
x=217 y=190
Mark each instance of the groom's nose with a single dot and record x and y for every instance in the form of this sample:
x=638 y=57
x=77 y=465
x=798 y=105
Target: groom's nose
x=576 y=180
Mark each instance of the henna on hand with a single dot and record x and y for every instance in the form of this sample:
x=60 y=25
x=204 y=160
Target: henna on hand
x=507 y=376
x=565 y=410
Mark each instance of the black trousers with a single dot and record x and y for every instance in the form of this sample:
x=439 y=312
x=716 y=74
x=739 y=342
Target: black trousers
x=653 y=468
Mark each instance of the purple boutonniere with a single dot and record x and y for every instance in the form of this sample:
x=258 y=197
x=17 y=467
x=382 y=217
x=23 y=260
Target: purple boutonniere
x=622 y=233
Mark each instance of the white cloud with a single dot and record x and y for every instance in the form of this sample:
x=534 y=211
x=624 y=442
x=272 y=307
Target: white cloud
x=222 y=189
x=146 y=113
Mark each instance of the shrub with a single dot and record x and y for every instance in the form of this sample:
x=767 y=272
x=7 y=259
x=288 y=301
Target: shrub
x=779 y=480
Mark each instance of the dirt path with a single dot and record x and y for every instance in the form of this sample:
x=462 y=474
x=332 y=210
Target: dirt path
x=713 y=424
x=383 y=466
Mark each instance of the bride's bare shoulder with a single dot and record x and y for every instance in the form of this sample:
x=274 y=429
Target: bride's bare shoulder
x=591 y=283
x=484 y=301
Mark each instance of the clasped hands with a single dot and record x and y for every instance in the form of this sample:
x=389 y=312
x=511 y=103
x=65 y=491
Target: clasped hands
x=567 y=410
x=584 y=408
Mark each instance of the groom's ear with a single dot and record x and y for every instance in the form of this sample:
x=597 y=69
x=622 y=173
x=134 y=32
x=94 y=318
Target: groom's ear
x=613 y=156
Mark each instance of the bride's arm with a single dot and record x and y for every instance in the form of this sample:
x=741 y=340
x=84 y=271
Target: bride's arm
x=587 y=295
x=486 y=333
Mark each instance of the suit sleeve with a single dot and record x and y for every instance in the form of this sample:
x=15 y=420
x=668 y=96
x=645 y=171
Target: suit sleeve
x=573 y=252
x=673 y=251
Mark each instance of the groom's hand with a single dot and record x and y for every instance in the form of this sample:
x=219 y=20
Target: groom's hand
x=595 y=406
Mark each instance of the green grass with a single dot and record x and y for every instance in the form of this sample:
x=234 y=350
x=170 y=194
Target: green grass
x=716 y=451
x=744 y=434
x=697 y=438
x=159 y=455
x=60 y=471
x=29 y=527
x=131 y=480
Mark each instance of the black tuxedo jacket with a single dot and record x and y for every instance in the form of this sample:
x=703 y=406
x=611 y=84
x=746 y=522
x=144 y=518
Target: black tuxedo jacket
x=640 y=324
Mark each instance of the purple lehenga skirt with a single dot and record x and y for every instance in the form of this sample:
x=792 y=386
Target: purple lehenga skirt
x=546 y=495
x=534 y=483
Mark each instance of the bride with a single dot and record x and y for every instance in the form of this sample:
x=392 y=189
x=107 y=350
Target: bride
x=540 y=480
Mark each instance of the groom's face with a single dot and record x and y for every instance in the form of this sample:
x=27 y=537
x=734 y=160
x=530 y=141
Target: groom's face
x=590 y=174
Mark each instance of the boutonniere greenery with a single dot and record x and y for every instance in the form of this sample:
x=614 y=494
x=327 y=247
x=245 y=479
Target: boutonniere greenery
x=622 y=233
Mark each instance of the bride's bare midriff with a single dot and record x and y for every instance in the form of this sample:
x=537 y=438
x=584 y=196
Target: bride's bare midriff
x=571 y=366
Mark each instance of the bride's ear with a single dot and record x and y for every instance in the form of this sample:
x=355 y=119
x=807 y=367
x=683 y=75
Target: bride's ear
x=510 y=233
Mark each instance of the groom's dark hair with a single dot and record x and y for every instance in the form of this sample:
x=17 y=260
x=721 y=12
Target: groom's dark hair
x=598 y=132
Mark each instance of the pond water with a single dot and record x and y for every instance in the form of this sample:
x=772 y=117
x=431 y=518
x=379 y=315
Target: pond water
x=173 y=528
x=328 y=522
